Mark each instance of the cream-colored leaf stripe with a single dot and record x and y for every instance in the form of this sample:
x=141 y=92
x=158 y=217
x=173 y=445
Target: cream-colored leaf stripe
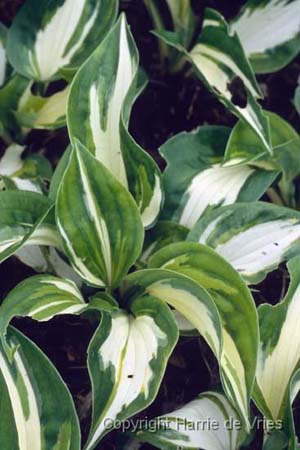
x=214 y=186
x=191 y=426
x=28 y=427
x=101 y=98
x=127 y=358
x=11 y=165
x=27 y=415
x=255 y=238
x=219 y=59
x=193 y=310
x=104 y=113
x=98 y=220
x=26 y=218
x=187 y=295
x=49 y=55
x=196 y=180
x=269 y=32
x=107 y=141
x=279 y=352
x=235 y=306
x=40 y=297
x=43 y=112
x=46 y=39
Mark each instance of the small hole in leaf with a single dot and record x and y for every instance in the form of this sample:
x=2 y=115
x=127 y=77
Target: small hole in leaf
x=238 y=92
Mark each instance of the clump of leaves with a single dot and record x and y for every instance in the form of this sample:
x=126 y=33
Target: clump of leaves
x=150 y=256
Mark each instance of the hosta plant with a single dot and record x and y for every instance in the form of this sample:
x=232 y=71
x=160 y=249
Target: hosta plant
x=149 y=258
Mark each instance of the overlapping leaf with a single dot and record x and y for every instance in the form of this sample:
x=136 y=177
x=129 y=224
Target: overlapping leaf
x=37 y=411
x=269 y=32
x=244 y=146
x=127 y=358
x=255 y=238
x=183 y=294
x=237 y=360
x=235 y=306
x=24 y=174
x=195 y=179
x=43 y=112
x=98 y=220
x=220 y=62
x=165 y=232
x=208 y=422
x=25 y=218
x=40 y=297
x=279 y=352
x=50 y=37
x=99 y=107
x=278 y=367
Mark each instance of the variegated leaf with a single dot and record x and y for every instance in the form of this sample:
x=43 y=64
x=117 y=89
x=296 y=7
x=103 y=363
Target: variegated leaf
x=11 y=161
x=185 y=327
x=26 y=218
x=244 y=146
x=219 y=59
x=279 y=351
x=37 y=410
x=209 y=422
x=43 y=112
x=23 y=174
x=127 y=358
x=40 y=297
x=99 y=107
x=97 y=96
x=47 y=38
x=236 y=308
x=255 y=238
x=98 y=220
x=196 y=181
x=183 y=294
x=10 y=164
x=269 y=32
x=196 y=304
x=165 y=232
x=289 y=425
x=220 y=62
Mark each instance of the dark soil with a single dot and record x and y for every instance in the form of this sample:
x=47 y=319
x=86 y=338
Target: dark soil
x=169 y=104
